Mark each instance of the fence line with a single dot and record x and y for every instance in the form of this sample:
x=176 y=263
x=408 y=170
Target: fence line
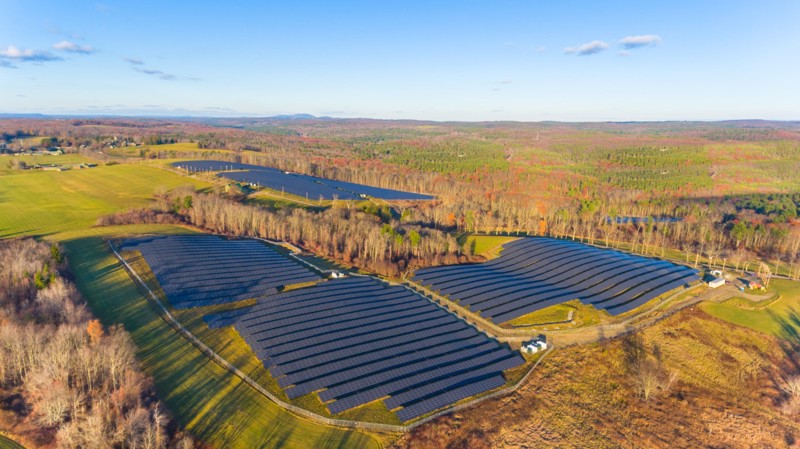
x=165 y=315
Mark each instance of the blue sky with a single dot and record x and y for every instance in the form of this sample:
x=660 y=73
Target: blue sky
x=467 y=60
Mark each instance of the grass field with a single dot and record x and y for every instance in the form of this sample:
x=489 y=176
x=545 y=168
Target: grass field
x=780 y=317
x=43 y=203
x=553 y=314
x=6 y=443
x=213 y=404
x=279 y=200
x=172 y=149
x=26 y=142
x=488 y=246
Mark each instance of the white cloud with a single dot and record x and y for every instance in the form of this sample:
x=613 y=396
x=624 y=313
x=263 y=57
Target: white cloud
x=72 y=47
x=588 y=48
x=12 y=53
x=645 y=40
x=134 y=61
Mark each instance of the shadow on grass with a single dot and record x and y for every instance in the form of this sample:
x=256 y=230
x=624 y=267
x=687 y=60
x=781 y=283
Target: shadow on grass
x=213 y=404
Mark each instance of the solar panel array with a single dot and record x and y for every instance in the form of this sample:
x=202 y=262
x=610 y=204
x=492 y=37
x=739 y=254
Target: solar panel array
x=202 y=270
x=297 y=184
x=534 y=273
x=356 y=340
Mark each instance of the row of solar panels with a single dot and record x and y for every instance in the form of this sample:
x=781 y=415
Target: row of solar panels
x=202 y=270
x=357 y=340
x=297 y=184
x=534 y=273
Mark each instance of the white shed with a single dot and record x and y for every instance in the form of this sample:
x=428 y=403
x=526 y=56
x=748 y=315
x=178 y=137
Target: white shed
x=716 y=282
x=534 y=346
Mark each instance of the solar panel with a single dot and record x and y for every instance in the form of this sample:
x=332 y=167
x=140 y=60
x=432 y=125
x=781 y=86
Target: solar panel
x=296 y=184
x=354 y=341
x=196 y=271
x=534 y=273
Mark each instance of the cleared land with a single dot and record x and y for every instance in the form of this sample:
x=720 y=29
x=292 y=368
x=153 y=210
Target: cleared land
x=210 y=402
x=534 y=273
x=356 y=340
x=35 y=203
x=304 y=186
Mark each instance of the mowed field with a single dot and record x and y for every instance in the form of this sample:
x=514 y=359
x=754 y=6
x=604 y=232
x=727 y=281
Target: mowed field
x=42 y=203
x=779 y=317
x=214 y=405
x=6 y=443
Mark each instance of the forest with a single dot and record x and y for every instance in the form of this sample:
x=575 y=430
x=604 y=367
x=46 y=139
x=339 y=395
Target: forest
x=66 y=380
x=716 y=191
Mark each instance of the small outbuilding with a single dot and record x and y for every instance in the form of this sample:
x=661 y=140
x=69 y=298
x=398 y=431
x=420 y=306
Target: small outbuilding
x=716 y=282
x=536 y=345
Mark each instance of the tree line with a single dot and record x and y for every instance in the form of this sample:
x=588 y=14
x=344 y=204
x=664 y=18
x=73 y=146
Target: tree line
x=69 y=382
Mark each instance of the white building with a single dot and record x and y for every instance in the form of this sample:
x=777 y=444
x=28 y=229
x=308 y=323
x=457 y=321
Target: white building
x=716 y=282
x=534 y=346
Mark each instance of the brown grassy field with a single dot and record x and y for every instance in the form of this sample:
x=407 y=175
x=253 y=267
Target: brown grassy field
x=724 y=396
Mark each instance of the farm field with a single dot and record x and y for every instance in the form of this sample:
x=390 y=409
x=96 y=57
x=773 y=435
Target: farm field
x=45 y=203
x=779 y=317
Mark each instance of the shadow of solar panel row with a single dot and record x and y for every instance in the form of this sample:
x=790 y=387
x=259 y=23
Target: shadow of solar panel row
x=202 y=270
x=357 y=340
x=534 y=273
x=307 y=186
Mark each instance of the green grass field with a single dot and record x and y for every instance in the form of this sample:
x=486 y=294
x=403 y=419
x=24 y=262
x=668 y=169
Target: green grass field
x=6 y=161
x=43 y=203
x=780 y=317
x=6 y=443
x=488 y=246
x=172 y=149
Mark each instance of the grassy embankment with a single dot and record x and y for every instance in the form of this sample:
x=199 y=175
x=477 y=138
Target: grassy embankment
x=210 y=402
x=6 y=443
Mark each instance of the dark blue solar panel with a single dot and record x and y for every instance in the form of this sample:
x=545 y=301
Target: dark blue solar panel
x=535 y=273
x=310 y=187
x=356 y=340
x=202 y=270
